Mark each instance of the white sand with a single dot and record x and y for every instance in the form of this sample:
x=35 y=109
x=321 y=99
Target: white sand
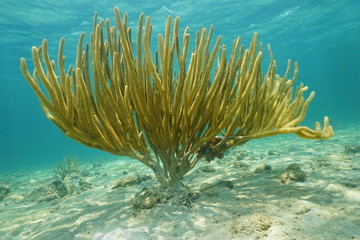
x=324 y=206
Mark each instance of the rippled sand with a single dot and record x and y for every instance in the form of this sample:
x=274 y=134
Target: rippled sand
x=251 y=193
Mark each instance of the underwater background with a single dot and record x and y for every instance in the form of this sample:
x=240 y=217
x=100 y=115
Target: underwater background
x=323 y=36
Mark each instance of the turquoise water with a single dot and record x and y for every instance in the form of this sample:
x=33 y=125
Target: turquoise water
x=323 y=36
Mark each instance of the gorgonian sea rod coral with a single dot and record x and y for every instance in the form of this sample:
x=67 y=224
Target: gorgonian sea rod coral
x=171 y=107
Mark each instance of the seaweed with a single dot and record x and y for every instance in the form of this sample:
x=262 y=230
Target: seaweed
x=69 y=165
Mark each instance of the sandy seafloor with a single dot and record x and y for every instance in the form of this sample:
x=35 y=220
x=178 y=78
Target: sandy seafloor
x=250 y=203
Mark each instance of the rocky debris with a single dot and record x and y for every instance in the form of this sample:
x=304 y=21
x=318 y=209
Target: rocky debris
x=291 y=173
x=97 y=165
x=242 y=155
x=254 y=226
x=48 y=192
x=149 y=198
x=131 y=180
x=241 y=164
x=4 y=190
x=324 y=161
x=206 y=169
x=303 y=209
x=273 y=153
x=58 y=189
x=262 y=168
x=216 y=188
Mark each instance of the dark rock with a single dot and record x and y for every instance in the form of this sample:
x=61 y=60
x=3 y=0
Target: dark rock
x=352 y=149
x=271 y=153
x=228 y=184
x=293 y=167
x=241 y=165
x=292 y=172
x=262 y=168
